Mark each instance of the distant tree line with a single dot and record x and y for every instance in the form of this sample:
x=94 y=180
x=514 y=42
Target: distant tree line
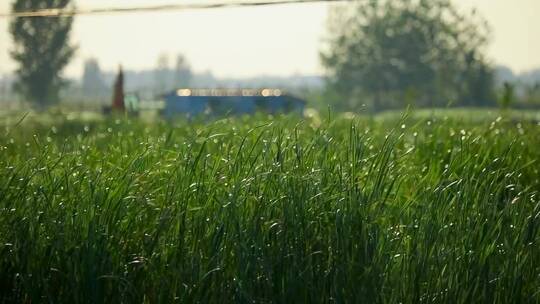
x=381 y=54
x=169 y=78
x=97 y=84
x=42 y=51
x=519 y=91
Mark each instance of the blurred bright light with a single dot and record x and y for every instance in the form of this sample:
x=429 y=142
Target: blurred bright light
x=183 y=92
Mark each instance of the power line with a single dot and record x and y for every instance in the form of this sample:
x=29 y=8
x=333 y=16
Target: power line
x=157 y=8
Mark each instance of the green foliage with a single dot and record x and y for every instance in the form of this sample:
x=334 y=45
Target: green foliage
x=386 y=52
x=41 y=50
x=532 y=94
x=270 y=210
x=507 y=95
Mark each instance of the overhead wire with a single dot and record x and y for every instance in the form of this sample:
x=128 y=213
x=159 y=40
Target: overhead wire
x=70 y=12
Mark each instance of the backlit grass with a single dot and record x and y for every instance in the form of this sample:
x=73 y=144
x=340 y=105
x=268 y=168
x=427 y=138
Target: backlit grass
x=260 y=210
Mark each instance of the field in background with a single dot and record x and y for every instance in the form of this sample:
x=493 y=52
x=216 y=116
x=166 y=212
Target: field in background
x=9 y=118
x=434 y=207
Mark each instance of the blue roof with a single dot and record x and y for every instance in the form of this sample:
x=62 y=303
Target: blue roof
x=193 y=102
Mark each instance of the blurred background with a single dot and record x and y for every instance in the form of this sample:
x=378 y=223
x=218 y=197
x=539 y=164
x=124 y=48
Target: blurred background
x=350 y=55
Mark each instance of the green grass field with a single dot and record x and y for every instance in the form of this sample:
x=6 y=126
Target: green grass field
x=425 y=209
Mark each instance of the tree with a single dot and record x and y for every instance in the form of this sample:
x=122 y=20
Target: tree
x=118 y=93
x=508 y=96
x=421 y=51
x=162 y=72
x=182 y=72
x=41 y=50
x=92 y=80
x=532 y=93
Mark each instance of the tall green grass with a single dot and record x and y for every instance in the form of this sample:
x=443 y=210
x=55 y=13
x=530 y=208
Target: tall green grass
x=270 y=210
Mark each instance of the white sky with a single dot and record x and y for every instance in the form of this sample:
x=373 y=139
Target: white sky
x=244 y=42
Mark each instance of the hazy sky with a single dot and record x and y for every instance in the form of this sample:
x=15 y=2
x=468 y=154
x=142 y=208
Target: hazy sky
x=240 y=42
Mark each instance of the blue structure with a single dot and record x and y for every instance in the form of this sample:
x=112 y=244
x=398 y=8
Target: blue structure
x=196 y=102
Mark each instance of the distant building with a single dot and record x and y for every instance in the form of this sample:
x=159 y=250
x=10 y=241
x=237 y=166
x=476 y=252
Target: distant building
x=195 y=102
